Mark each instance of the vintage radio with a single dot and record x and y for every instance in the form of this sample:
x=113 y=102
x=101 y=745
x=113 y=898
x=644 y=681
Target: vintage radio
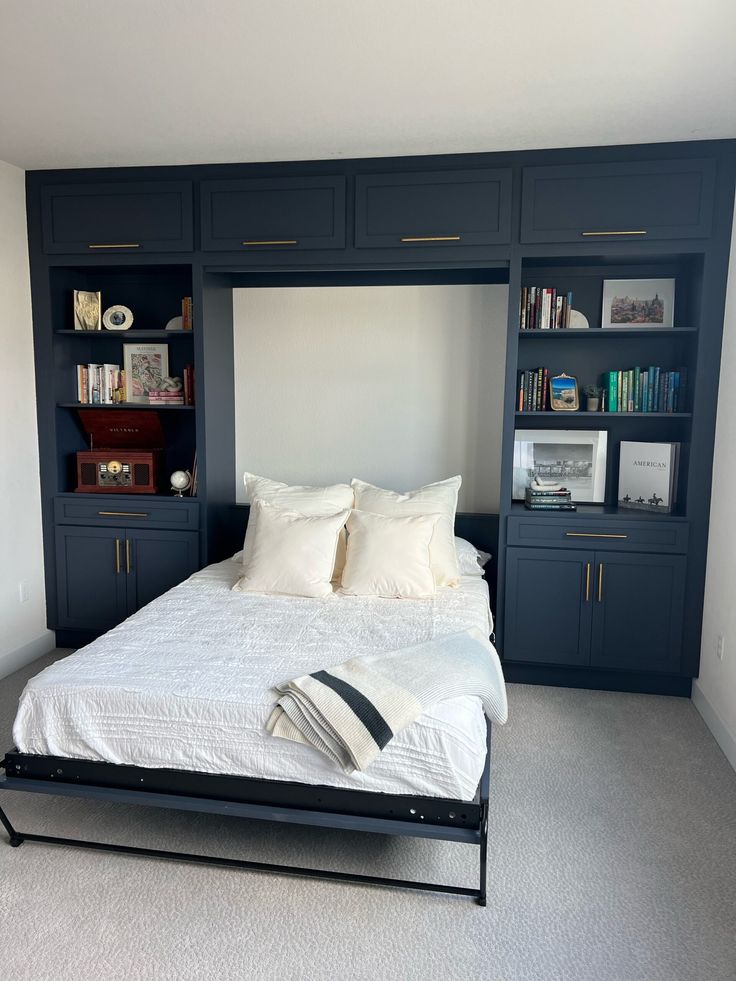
x=125 y=451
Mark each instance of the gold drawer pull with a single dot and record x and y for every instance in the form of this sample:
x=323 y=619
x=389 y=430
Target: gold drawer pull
x=431 y=238
x=117 y=245
x=600 y=583
x=117 y=555
x=590 y=534
x=587 y=581
x=272 y=241
x=123 y=514
x=638 y=231
x=127 y=556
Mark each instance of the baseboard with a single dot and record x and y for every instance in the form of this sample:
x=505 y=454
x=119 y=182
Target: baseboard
x=14 y=660
x=597 y=679
x=725 y=739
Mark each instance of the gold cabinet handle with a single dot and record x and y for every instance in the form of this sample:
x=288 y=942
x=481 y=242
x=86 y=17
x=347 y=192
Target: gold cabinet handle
x=123 y=514
x=127 y=556
x=430 y=238
x=591 y=534
x=587 y=582
x=117 y=556
x=271 y=241
x=600 y=583
x=117 y=245
x=637 y=231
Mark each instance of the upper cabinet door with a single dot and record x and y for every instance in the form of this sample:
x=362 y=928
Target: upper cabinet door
x=118 y=217
x=654 y=199
x=445 y=208
x=279 y=213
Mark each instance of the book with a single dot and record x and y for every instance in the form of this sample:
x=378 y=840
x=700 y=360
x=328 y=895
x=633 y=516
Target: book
x=647 y=479
x=186 y=313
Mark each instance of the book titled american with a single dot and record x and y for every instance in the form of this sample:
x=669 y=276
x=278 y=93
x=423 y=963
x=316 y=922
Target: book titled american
x=647 y=476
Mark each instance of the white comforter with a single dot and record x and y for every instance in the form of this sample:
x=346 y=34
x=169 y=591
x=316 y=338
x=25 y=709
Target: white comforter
x=186 y=683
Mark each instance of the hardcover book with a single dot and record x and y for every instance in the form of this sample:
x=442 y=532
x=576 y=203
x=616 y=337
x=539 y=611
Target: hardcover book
x=647 y=476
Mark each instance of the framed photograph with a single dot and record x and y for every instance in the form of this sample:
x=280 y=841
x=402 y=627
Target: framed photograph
x=638 y=303
x=563 y=393
x=145 y=366
x=87 y=310
x=574 y=458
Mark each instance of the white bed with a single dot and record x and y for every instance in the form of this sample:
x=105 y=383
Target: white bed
x=186 y=684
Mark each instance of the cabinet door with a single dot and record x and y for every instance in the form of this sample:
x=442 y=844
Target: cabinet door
x=638 y=611
x=279 y=213
x=157 y=560
x=655 y=199
x=91 y=587
x=426 y=210
x=549 y=600
x=148 y=216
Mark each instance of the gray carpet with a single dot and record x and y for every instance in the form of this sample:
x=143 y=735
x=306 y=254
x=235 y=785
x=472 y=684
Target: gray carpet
x=613 y=858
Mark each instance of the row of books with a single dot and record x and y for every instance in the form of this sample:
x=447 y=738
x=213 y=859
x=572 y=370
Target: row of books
x=533 y=390
x=652 y=389
x=557 y=499
x=102 y=384
x=543 y=308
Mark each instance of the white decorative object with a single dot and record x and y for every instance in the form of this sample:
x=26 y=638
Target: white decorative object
x=117 y=318
x=175 y=324
x=578 y=320
x=573 y=458
x=638 y=303
x=181 y=480
x=647 y=476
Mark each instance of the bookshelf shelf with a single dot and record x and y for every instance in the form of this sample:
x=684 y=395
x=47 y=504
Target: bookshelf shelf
x=606 y=415
x=124 y=405
x=121 y=335
x=588 y=511
x=664 y=332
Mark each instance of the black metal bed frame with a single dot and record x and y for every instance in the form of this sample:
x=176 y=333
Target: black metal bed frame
x=266 y=800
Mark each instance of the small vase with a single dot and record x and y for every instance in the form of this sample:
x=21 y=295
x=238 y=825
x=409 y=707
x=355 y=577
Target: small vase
x=593 y=405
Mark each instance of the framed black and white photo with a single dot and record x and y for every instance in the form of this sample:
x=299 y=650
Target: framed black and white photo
x=574 y=458
x=638 y=303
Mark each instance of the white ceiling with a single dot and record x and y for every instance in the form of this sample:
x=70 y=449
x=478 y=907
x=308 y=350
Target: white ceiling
x=132 y=82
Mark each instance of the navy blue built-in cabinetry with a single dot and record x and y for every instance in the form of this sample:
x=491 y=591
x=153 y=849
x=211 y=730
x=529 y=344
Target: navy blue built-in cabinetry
x=599 y=597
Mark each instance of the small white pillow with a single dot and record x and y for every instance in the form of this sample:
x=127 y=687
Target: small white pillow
x=389 y=556
x=310 y=501
x=291 y=553
x=470 y=559
x=438 y=499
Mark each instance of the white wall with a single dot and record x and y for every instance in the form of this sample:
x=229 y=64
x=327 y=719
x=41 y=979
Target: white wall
x=397 y=385
x=714 y=693
x=23 y=635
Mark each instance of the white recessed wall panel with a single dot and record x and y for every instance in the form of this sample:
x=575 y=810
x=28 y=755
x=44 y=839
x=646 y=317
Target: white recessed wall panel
x=398 y=385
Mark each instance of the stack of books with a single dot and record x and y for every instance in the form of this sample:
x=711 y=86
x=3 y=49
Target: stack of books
x=543 y=308
x=651 y=389
x=157 y=396
x=537 y=499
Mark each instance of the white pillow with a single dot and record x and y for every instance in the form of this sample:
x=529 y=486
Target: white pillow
x=291 y=553
x=470 y=559
x=310 y=501
x=438 y=499
x=389 y=556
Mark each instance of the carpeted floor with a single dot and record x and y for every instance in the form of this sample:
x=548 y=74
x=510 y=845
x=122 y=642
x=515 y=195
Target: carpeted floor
x=613 y=858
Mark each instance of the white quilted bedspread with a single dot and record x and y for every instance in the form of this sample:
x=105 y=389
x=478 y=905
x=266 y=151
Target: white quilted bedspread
x=186 y=683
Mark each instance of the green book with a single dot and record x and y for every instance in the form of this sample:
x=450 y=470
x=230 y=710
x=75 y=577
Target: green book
x=637 y=389
x=610 y=384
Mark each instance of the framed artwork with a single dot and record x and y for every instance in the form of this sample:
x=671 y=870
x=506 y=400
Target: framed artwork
x=563 y=393
x=87 y=310
x=145 y=366
x=638 y=303
x=574 y=458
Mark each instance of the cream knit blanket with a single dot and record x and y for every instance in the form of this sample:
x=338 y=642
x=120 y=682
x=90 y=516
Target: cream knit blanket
x=350 y=712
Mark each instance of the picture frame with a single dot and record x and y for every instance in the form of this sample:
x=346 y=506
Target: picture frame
x=145 y=367
x=563 y=393
x=87 y=310
x=638 y=303
x=575 y=458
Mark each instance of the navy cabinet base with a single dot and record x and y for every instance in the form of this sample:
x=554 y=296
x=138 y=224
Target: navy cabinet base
x=558 y=676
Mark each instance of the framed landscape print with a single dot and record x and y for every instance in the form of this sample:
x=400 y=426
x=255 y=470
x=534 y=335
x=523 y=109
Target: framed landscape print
x=145 y=366
x=574 y=458
x=638 y=303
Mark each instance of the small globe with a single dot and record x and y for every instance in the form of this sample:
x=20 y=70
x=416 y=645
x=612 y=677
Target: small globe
x=180 y=480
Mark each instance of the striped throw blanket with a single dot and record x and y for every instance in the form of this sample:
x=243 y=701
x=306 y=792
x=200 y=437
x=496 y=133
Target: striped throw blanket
x=350 y=712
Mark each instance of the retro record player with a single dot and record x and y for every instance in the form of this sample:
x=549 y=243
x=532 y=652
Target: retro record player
x=125 y=451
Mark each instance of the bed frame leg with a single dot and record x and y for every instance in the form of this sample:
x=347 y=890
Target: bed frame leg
x=14 y=838
x=481 y=900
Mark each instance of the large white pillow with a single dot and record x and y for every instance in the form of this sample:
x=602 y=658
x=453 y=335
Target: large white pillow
x=389 y=556
x=310 y=501
x=439 y=499
x=291 y=553
x=471 y=560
